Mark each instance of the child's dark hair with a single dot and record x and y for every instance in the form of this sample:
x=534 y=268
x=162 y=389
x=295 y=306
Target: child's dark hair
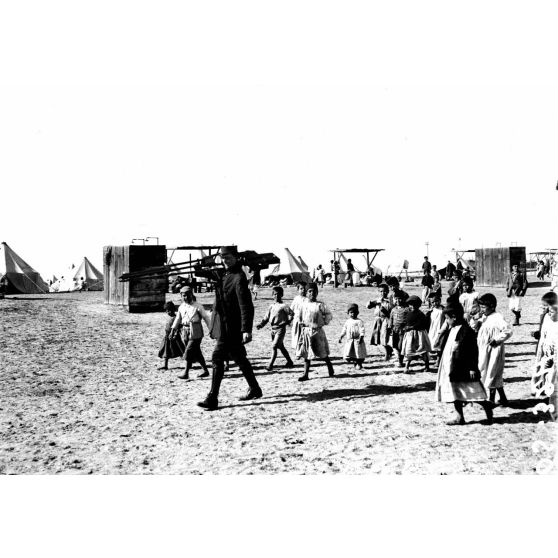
x=414 y=301
x=354 y=308
x=301 y=284
x=467 y=281
x=383 y=287
x=455 y=310
x=278 y=290
x=488 y=299
x=436 y=295
x=170 y=305
x=550 y=298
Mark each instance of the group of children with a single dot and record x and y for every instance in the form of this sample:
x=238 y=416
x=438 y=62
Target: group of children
x=400 y=327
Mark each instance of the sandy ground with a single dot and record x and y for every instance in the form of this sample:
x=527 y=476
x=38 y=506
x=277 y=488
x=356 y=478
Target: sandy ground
x=81 y=394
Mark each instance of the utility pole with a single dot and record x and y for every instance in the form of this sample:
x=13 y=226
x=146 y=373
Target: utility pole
x=427 y=244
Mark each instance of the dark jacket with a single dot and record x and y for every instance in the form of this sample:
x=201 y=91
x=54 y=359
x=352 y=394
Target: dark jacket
x=236 y=310
x=466 y=356
x=517 y=285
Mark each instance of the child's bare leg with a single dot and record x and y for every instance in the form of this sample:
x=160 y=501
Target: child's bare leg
x=272 y=360
x=165 y=365
x=426 y=363
x=287 y=356
x=205 y=372
x=304 y=377
x=492 y=395
x=185 y=375
x=408 y=364
x=389 y=351
x=358 y=364
x=459 y=418
x=330 y=370
x=502 y=395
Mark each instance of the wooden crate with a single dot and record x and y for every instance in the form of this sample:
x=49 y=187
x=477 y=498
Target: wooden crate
x=137 y=295
x=493 y=265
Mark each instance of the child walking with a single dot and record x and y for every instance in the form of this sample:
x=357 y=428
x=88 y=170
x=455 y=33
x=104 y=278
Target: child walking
x=493 y=332
x=458 y=374
x=416 y=343
x=353 y=330
x=546 y=355
x=312 y=344
x=396 y=323
x=296 y=304
x=469 y=299
x=171 y=347
x=190 y=315
x=279 y=315
x=382 y=307
x=437 y=318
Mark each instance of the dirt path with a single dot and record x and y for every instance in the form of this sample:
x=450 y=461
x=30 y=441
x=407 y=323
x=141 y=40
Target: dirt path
x=99 y=405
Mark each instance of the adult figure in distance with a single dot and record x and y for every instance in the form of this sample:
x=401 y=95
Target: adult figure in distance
x=231 y=325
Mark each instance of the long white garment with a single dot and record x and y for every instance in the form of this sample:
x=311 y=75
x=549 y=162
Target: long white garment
x=492 y=359
x=296 y=306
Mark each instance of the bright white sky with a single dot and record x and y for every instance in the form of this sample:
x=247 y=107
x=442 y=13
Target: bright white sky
x=312 y=125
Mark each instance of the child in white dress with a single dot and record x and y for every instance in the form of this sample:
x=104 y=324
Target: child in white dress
x=353 y=330
x=381 y=307
x=296 y=304
x=546 y=355
x=469 y=299
x=493 y=331
x=312 y=343
x=437 y=319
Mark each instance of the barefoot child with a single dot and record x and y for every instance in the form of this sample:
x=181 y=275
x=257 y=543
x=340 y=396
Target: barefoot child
x=437 y=319
x=171 y=347
x=296 y=304
x=469 y=299
x=493 y=332
x=458 y=374
x=312 y=344
x=353 y=330
x=546 y=356
x=279 y=315
x=396 y=323
x=415 y=342
x=190 y=315
x=380 y=322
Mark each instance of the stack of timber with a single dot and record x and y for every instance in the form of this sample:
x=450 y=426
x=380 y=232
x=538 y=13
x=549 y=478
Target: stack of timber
x=140 y=294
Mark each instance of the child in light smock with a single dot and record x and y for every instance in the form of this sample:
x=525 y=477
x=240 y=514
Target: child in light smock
x=353 y=329
x=493 y=331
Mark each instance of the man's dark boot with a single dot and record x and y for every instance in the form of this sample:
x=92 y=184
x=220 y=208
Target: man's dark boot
x=254 y=392
x=211 y=402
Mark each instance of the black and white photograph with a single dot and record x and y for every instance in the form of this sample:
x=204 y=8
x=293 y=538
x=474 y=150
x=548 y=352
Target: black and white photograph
x=279 y=239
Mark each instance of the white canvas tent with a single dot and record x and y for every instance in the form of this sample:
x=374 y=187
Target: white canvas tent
x=70 y=279
x=19 y=276
x=303 y=264
x=290 y=267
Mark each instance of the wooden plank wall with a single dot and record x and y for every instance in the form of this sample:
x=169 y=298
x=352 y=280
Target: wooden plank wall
x=493 y=265
x=138 y=295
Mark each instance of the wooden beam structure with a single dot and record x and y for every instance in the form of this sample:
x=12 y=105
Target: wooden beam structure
x=337 y=252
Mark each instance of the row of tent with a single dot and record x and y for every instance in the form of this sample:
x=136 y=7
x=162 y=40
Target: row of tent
x=20 y=278
x=297 y=269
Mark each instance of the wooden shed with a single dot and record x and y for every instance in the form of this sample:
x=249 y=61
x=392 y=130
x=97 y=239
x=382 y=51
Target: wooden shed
x=493 y=265
x=145 y=294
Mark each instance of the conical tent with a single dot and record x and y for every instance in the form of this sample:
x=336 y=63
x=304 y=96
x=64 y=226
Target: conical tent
x=290 y=267
x=303 y=264
x=20 y=277
x=93 y=277
x=71 y=278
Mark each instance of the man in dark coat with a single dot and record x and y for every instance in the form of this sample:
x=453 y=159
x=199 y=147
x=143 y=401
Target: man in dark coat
x=231 y=326
x=426 y=265
x=516 y=287
x=450 y=270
